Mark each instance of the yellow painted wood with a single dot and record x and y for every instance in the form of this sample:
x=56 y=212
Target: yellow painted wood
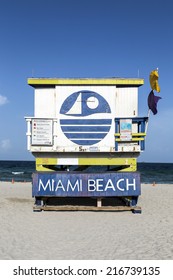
x=42 y=164
x=132 y=140
x=40 y=167
x=128 y=164
x=89 y=161
x=106 y=161
x=138 y=139
x=129 y=168
x=85 y=81
x=50 y=161
x=139 y=134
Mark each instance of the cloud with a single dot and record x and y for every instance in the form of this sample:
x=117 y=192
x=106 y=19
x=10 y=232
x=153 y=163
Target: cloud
x=5 y=144
x=3 y=100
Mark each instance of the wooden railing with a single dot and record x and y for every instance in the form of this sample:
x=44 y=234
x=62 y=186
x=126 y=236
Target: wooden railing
x=138 y=136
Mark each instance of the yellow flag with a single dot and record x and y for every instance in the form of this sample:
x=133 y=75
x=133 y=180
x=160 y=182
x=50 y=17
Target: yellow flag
x=154 y=76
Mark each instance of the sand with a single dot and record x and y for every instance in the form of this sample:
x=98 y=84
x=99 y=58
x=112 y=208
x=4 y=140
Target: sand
x=25 y=234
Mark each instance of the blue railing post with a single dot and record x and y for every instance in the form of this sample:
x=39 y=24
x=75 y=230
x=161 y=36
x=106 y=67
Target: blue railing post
x=140 y=121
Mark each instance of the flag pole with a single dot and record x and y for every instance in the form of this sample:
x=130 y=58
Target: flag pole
x=146 y=127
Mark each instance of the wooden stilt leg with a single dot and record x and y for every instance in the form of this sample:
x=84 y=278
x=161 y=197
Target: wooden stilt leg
x=99 y=202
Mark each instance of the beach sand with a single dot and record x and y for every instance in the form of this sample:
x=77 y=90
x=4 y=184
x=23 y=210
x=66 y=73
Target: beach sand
x=85 y=235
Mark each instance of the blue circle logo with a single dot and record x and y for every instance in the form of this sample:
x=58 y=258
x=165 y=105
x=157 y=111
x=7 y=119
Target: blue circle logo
x=85 y=117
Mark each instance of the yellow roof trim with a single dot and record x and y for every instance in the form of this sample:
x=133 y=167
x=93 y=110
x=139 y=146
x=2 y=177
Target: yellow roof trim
x=84 y=81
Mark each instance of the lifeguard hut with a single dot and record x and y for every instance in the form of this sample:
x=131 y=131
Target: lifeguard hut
x=86 y=136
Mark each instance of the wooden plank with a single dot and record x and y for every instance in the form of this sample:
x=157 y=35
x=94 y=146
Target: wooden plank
x=134 y=134
x=99 y=202
x=132 y=140
x=136 y=209
x=85 y=81
x=42 y=164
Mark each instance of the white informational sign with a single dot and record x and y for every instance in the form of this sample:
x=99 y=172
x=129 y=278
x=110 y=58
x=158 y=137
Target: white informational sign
x=42 y=132
x=126 y=130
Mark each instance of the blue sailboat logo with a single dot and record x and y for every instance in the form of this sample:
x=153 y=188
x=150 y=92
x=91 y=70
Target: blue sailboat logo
x=76 y=122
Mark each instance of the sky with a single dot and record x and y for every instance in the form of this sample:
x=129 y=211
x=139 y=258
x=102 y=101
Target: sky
x=84 y=38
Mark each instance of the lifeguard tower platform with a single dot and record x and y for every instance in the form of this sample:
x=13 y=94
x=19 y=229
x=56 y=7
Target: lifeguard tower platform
x=86 y=137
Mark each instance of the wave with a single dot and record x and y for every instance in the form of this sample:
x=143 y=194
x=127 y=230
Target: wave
x=17 y=172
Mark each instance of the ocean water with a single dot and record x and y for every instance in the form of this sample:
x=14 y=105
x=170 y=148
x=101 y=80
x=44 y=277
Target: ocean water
x=21 y=171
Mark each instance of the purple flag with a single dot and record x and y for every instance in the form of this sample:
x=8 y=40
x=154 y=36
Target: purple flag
x=152 y=102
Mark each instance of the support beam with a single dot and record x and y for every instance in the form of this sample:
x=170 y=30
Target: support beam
x=121 y=164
